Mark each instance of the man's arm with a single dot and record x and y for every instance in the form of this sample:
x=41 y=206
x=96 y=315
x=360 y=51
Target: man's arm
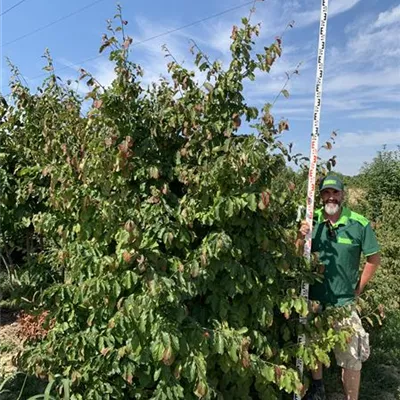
x=370 y=268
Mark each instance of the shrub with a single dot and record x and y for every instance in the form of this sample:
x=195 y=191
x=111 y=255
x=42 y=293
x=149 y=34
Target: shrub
x=167 y=238
x=381 y=179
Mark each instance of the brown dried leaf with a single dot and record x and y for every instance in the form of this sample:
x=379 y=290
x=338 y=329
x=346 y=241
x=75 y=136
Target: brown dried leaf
x=127 y=42
x=105 y=351
x=268 y=119
x=236 y=121
x=168 y=356
x=283 y=126
x=235 y=30
x=264 y=201
x=127 y=256
x=129 y=378
x=278 y=372
x=97 y=103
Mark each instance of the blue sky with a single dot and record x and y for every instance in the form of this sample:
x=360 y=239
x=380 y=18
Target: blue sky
x=361 y=98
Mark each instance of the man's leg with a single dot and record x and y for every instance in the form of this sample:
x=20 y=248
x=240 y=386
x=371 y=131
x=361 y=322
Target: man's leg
x=350 y=359
x=317 y=390
x=351 y=383
x=317 y=374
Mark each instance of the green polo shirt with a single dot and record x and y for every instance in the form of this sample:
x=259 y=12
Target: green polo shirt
x=340 y=255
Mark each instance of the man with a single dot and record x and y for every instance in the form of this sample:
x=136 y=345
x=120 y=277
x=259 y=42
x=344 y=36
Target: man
x=339 y=236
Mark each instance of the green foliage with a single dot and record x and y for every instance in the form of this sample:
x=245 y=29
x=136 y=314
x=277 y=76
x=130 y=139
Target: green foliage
x=381 y=374
x=163 y=240
x=379 y=188
x=380 y=185
x=386 y=341
x=381 y=178
x=5 y=285
x=383 y=294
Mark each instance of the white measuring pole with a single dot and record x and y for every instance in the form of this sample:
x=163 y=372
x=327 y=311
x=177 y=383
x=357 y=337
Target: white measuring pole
x=313 y=162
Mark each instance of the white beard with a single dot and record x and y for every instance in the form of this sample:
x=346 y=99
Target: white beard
x=332 y=208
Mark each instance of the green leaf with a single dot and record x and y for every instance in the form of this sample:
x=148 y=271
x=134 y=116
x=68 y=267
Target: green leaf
x=233 y=352
x=369 y=319
x=47 y=392
x=208 y=86
x=157 y=374
x=66 y=388
x=285 y=93
x=268 y=372
x=229 y=208
x=252 y=202
x=219 y=343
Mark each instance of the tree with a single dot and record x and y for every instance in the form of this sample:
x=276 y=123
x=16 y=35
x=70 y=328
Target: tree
x=380 y=181
x=381 y=178
x=169 y=236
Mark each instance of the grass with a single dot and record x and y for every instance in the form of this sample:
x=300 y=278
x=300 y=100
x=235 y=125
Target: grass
x=6 y=347
x=381 y=377
x=20 y=387
x=6 y=287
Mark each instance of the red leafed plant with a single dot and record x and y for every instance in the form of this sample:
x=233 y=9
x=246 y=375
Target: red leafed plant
x=33 y=327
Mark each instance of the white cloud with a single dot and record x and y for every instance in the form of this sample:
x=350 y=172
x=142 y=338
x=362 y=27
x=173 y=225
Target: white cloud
x=388 y=17
x=149 y=54
x=371 y=43
x=220 y=40
x=351 y=80
x=379 y=46
x=311 y=16
x=350 y=162
x=363 y=73
x=366 y=139
x=104 y=72
x=335 y=103
x=340 y=6
x=271 y=15
x=283 y=111
x=267 y=86
x=215 y=40
x=377 y=113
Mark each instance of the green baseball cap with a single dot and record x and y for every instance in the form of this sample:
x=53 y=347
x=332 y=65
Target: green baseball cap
x=331 y=182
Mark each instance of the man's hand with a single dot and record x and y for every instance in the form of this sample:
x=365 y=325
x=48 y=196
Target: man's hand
x=301 y=234
x=304 y=229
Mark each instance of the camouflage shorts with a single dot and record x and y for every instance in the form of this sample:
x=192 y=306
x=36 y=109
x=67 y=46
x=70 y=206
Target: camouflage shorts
x=358 y=349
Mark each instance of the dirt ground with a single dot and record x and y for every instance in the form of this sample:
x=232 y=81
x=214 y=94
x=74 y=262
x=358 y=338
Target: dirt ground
x=10 y=342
